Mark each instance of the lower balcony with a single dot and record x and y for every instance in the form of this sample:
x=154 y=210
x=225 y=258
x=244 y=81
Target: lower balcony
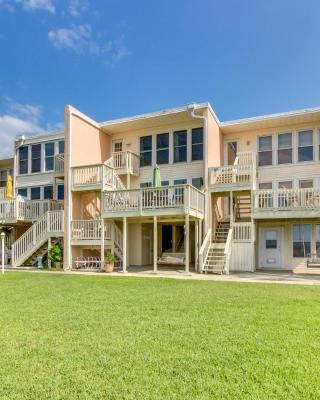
x=286 y=203
x=166 y=200
x=89 y=231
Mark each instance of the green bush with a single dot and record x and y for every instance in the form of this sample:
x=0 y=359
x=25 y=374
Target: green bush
x=109 y=258
x=55 y=253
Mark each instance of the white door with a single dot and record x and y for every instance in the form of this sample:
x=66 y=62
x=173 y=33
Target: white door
x=117 y=145
x=270 y=248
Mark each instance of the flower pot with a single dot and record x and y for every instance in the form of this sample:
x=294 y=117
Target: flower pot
x=108 y=267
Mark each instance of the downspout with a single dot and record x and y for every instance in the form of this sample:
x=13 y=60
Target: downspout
x=191 y=107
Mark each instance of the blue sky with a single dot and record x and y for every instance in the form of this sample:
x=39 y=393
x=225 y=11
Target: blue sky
x=112 y=58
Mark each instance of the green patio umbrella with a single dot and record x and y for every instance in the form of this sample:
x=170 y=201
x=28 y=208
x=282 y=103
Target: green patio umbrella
x=156 y=178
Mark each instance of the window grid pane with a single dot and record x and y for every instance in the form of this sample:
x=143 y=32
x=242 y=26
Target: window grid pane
x=145 y=151
x=180 y=146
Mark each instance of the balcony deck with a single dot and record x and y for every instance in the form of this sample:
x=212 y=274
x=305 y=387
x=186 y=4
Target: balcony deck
x=158 y=201
x=126 y=162
x=286 y=203
x=237 y=177
x=89 y=232
x=19 y=210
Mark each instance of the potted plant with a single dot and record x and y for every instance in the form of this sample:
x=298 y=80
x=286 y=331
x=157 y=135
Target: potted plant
x=55 y=255
x=109 y=260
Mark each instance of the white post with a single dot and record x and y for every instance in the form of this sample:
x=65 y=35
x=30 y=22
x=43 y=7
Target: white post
x=186 y=242
x=196 y=247
x=2 y=251
x=112 y=236
x=155 y=245
x=231 y=208
x=124 y=253
x=102 y=244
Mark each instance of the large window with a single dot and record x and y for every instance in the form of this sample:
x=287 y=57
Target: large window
x=23 y=192
x=197 y=183
x=146 y=151
x=265 y=150
x=306 y=184
x=36 y=158
x=35 y=193
x=318 y=240
x=3 y=178
x=305 y=146
x=48 y=192
x=285 y=148
x=163 y=148
x=49 y=156
x=197 y=144
x=23 y=160
x=61 y=147
x=301 y=240
x=60 y=192
x=180 y=146
x=145 y=185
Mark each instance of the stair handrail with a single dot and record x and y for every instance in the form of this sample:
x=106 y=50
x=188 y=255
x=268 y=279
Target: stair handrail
x=227 y=251
x=204 y=250
x=50 y=222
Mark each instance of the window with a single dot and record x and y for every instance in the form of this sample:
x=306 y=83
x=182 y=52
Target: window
x=145 y=151
x=301 y=240
x=285 y=185
x=48 y=192
x=23 y=193
x=60 y=192
x=265 y=150
x=145 y=184
x=163 y=148
x=265 y=185
x=35 y=193
x=49 y=156
x=180 y=146
x=318 y=240
x=271 y=239
x=61 y=147
x=3 y=178
x=285 y=148
x=36 y=158
x=197 y=182
x=180 y=182
x=23 y=160
x=306 y=184
x=164 y=183
x=305 y=146
x=117 y=145
x=197 y=144
x=178 y=192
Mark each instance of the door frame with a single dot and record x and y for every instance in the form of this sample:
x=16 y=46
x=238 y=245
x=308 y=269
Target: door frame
x=261 y=241
x=225 y=150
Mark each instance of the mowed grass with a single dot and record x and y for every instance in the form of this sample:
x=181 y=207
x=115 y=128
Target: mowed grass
x=87 y=337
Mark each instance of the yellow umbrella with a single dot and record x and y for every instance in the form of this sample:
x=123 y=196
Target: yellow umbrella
x=9 y=188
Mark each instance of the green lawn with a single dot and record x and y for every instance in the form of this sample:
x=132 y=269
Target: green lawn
x=82 y=337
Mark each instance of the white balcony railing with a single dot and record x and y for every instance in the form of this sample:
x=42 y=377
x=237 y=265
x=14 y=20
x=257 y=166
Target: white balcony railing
x=89 y=230
x=3 y=193
x=28 y=210
x=126 y=162
x=286 y=199
x=59 y=163
x=184 y=197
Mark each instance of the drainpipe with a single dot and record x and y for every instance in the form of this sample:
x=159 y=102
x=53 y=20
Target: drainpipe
x=191 y=108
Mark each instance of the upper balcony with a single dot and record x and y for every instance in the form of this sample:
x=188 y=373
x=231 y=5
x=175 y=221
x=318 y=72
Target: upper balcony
x=239 y=176
x=154 y=201
x=126 y=162
x=286 y=203
x=59 y=164
x=106 y=176
x=19 y=210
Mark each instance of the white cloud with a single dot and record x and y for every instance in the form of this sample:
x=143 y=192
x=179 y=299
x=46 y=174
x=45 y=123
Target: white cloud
x=18 y=119
x=10 y=128
x=78 y=7
x=78 y=39
x=45 y=5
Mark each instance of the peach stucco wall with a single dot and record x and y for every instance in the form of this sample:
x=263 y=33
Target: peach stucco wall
x=89 y=144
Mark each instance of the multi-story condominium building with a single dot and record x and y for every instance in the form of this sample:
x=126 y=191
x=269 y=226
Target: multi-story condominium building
x=231 y=196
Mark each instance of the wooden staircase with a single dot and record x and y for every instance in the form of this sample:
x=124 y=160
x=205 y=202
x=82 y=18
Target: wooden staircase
x=216 y=259
x=221 y=232
x=243 y=208
x=50 y=225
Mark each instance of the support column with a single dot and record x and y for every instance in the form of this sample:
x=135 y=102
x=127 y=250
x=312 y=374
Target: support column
x=102 y=244
x=128 y=181
x=49 y=245
x=231 y=208
x=187 y=242
x=196 y=246
x=112 y=237
x=124 y=252
x=155 y=245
